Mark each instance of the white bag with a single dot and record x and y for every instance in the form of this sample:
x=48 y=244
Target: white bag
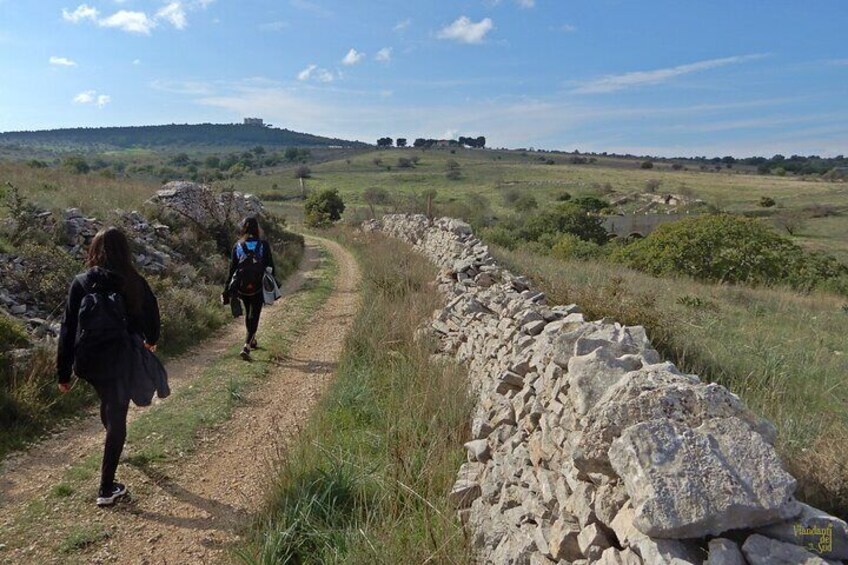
x=270 y=290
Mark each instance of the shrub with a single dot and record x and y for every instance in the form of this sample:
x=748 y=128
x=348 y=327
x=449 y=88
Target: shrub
x=76 y=164
x=727 y=248
x=646 y=165
x=323 y=208
x=767 y=202
x=563 y=197
x=570 y=246
x=567 y=217
x=526 y=203
x=591 y=203
x=405 y=163
x=302 y=172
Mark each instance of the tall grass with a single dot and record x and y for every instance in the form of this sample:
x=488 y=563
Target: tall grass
x=784 y=353
x=367 y=480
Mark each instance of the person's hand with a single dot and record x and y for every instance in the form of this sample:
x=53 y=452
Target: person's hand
x=64 y=387
x=150 y=348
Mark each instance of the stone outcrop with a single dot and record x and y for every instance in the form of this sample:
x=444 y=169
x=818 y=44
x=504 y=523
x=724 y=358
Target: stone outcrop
x=586 y=447
x=203 y=206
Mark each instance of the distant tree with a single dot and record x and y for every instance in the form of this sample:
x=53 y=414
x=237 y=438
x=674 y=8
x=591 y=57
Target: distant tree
x=385 y=142
x=258 y=150
x=481 y=142
x=401 y=142
x=292 y=153
x=566 y=218
x=419 y=142
x=323 y=208
x=212 y=162
x=302 y=172
x=647 y=164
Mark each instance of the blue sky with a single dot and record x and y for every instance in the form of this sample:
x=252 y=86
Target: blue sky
x=659 y=77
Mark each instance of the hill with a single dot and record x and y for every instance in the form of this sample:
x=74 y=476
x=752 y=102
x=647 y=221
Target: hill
x=164 y=136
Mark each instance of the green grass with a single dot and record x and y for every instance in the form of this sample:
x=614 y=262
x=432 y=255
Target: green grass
x=170 y=431
x=83 y=537
x=367 y=480
x=785 y=354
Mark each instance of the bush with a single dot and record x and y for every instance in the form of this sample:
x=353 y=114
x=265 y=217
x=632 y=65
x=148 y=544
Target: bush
x=767 y=202
x=405 y=163
x=563 y=218
x=646 y=165
x=591 y=203
x=725 y=248
x=302 y=172
x=323 y=208
x=526 y=203
x=563 y=197
x=570 y=246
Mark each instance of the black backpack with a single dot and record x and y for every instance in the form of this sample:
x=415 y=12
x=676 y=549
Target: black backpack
x=101 y=347
x=247 y=280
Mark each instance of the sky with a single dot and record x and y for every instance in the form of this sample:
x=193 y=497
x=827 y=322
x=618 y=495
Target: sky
x=648 y=77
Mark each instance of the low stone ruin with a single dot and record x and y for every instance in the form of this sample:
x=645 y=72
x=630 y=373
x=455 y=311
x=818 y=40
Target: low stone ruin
x=587 y=447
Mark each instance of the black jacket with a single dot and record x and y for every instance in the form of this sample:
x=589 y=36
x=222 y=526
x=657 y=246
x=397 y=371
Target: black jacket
x=145 y=325
x=267 y=260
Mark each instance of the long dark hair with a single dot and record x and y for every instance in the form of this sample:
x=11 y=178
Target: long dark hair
x=110 y=250
x=250 y=229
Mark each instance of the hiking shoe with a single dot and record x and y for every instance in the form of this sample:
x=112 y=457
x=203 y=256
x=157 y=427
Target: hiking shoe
x=108 y=499
x=245 y=353
x=253 y=344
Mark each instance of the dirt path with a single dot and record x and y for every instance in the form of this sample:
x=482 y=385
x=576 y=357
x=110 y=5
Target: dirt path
x=192 y=512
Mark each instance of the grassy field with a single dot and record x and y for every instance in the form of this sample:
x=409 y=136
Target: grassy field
x=785 y=354
x=493 y=175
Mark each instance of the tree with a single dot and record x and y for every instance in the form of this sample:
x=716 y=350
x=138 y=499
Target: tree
x=481 y=142
x=76 y=164
x=302 y=172
x=292 y=153
x=419 y=142
x=401 y=142
x=323 y=208
x=566 y=218
x=385 y=142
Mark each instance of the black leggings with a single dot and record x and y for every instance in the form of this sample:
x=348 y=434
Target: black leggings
x=252 y=310
x=114 y=403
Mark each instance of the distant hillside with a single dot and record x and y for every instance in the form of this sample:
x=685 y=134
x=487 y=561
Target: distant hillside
x=181 y=135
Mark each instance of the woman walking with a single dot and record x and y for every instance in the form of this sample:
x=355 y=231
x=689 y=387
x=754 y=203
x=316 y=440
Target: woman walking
x=250 y=260
x=108 y=305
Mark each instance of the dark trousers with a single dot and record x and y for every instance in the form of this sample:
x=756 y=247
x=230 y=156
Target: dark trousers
x=252 y=310
x=114 y=404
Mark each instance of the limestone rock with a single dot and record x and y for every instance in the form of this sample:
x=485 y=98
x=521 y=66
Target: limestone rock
x=724 y=552
x=590 y=375
x=613 y=556
x=689 y=483
x=760 y=550
x=815 y=530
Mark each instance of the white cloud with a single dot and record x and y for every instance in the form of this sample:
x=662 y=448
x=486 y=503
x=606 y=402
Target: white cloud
x=567 y=28
x=384 y=55
x=403 y=25
x=307 y=6
x=353 y=57
x=86 y=97
x=132 y=22
x=314 y=72
x=91 y=97
x=612 y=83
x=466 y=31
x=278 y=25
x=62 y=62
x=526 y=3
x=136 y=61
x=83 y=12
x=173 y=13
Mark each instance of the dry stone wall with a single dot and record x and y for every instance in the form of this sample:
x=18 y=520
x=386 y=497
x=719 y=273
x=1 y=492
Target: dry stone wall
x=587 y=447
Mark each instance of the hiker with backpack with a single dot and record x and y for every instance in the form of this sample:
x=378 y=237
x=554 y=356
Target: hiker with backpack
x=250 y=262
x=110 y=314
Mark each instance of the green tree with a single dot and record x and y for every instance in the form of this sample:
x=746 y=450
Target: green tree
x=563 y=218
x=323 y=208
x=76 y=164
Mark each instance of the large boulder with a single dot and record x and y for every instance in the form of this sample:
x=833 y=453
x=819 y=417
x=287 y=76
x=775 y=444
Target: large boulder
x=690 y=483
x=201 y=205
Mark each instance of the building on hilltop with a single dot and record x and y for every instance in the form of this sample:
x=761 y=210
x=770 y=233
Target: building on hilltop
x=254 y=122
